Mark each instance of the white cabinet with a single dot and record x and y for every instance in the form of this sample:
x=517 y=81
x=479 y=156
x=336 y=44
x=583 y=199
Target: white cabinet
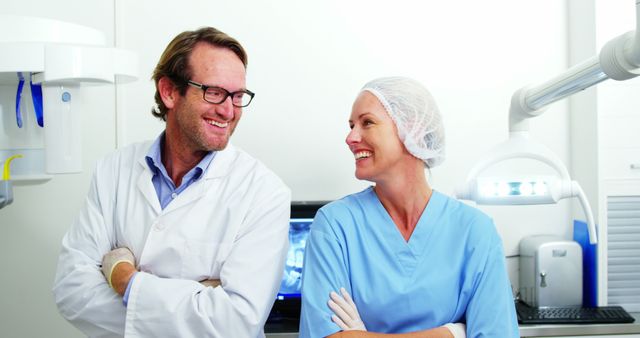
x=605 y=152
x=618 y=179
x=619 y=252
x=606 y=160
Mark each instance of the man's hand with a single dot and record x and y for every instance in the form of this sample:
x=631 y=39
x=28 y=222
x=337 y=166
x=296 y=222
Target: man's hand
x=112 y=260
x=210 y=282
x=345 y=312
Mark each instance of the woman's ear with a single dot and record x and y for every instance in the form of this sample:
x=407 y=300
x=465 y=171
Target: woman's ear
x=168 y=92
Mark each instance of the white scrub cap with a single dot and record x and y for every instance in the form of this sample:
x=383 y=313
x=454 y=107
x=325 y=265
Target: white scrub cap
x=415 y=114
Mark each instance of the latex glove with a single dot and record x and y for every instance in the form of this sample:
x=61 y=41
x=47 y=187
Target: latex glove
x=113 y=258
x=458 y=330
x=345 y=312
x=210 y=282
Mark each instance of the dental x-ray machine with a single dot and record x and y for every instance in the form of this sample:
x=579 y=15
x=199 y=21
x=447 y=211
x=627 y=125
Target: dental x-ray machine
x=53 y=58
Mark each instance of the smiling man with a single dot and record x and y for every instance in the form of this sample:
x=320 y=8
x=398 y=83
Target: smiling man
x=184 y=236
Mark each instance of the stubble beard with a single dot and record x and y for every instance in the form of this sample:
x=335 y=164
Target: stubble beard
x=194 y=131
x=201 y=141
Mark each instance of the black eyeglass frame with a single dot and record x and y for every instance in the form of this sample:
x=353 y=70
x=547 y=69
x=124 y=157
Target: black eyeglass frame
x=226 y=92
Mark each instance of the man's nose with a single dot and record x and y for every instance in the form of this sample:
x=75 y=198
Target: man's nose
x=225 y=109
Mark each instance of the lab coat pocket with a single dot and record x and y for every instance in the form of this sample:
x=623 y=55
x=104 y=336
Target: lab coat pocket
x=202 y=259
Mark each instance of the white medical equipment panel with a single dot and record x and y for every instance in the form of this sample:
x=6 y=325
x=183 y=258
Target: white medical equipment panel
x=619 y=255
x=42 y=65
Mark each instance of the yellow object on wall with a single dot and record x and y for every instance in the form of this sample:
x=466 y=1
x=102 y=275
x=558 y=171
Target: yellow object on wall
x=6 y=172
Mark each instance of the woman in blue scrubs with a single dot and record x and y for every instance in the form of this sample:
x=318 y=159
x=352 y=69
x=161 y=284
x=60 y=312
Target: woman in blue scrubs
x=399 y=257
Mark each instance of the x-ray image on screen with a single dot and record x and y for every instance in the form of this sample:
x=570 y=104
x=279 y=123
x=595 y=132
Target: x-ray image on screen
x=298 y=233
x=285 y=313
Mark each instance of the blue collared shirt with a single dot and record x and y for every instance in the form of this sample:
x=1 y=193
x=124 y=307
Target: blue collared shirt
x=165 y=188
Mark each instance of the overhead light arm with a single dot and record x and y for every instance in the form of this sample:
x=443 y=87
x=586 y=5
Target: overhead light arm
x=619 y=59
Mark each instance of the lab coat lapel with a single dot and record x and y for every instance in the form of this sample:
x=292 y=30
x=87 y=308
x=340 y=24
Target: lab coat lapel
x=221 y=163
x=194 y=192
x=219 y=167
x=145 y=185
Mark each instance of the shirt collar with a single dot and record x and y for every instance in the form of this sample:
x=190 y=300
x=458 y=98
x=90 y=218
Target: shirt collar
x=154 y=159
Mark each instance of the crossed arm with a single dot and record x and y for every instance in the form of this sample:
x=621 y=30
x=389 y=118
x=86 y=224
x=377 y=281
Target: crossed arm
x=168 y=306
x=118 y=267
x=439 y=332
x=346 y=316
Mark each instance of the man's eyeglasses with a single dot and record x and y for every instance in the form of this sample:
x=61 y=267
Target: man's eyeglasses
x=217 y=95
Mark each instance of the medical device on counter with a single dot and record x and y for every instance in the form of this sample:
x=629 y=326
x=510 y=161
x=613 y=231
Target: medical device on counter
x=619 y=59
x=55 y=57
x=550 y=271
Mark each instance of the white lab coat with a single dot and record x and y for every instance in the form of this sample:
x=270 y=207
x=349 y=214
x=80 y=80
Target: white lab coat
x=232 y=225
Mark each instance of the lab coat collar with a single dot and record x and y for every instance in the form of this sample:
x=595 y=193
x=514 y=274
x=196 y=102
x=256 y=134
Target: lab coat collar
x=219 y=167
x=221 y=163
x=145 y=185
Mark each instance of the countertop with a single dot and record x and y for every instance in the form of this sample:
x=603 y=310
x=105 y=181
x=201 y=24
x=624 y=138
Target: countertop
x=547 y=330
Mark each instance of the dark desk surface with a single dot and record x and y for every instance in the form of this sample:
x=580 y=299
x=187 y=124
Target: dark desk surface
x=548 y=330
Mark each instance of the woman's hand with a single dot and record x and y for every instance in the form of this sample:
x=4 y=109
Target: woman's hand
x=346 y=314
x=458 y=330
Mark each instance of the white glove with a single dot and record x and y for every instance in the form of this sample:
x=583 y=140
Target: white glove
x=458 y=330
x=345 y=312
x=113 y=258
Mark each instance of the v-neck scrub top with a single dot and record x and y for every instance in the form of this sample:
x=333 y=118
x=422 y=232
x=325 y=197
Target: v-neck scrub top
x=452 y=269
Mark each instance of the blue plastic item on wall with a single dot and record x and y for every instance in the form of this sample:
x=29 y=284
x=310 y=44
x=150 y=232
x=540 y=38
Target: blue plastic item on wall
x=589 y=264
x=19 y=99
x=36 y=97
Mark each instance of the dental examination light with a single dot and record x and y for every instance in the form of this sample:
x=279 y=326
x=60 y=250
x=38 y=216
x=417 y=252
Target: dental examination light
x=619 y=59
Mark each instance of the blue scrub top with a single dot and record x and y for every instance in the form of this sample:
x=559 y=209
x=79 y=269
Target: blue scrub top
x=452 y=269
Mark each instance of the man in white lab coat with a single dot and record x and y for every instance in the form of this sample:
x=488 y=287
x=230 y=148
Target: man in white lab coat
x=191 y=232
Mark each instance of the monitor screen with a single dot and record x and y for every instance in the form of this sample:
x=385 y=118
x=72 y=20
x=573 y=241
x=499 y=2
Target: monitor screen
x=292 y=278
x=285 y=314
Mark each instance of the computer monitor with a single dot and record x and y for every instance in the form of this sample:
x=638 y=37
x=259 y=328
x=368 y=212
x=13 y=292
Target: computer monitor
x=285 y=314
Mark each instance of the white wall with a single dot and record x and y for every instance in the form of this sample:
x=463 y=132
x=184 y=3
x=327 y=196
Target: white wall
x=618 y=101
x=307 y=61
x=31 y=228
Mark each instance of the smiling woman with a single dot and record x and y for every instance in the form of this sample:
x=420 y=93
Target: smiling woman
x=372 y=139
x=405 y=258
x=411 y=129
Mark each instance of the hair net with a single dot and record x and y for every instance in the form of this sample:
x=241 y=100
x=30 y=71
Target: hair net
x=416 y=115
